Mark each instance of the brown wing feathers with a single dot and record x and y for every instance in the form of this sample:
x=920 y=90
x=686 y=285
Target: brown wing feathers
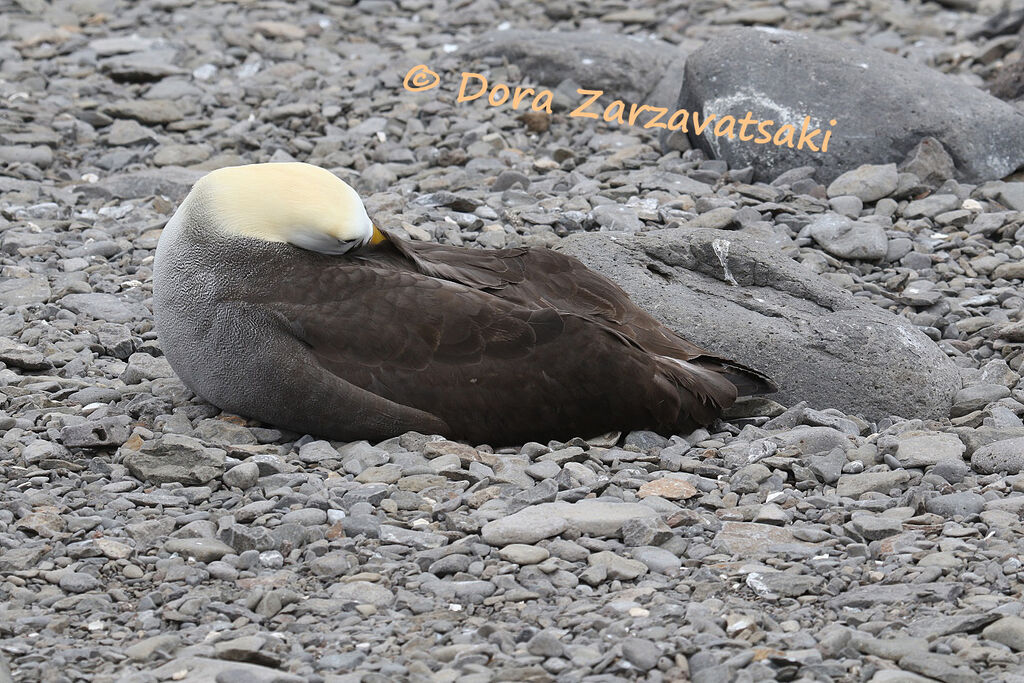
x=467 y=320
x=565 y=284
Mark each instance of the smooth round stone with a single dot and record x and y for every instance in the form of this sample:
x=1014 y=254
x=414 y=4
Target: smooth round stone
x=520 y=553
x=242 y=476
x=132 y=572
x=545 y=469
x=847 y=205
x=222 y=570
x=305 y=517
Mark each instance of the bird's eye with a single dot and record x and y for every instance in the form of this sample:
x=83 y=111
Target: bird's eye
x=320 y=242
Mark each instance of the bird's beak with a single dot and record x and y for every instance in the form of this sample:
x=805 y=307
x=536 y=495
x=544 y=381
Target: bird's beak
x=377 y=236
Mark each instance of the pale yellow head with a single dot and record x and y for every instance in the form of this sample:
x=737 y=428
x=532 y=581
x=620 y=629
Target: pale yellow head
x=297 y=203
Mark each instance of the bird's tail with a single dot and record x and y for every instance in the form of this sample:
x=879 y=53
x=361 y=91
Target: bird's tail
x=708 y=385
x=748 y=382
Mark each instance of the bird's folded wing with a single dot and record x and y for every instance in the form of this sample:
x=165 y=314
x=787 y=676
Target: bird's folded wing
x=542 y=278
x=380 y=318
x=546 y=278
x=477 y=268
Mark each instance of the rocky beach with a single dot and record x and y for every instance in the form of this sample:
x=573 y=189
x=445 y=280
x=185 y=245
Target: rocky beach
x=864 y=523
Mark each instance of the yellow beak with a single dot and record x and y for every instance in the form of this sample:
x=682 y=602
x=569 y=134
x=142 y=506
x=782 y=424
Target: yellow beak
x=378 y=236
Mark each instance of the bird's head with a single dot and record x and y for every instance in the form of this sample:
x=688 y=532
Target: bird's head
x=294 y=203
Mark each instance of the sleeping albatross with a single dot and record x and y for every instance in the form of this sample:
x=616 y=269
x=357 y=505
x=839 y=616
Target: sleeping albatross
x=277 y=298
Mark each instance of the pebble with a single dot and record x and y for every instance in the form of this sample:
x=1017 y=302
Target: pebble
x=641 y=653
x=242 y=476
x=521 y=554
x=202 y=549
x=1009 y=631
x=868 y=183
x=963 y=504
x=1006 y=455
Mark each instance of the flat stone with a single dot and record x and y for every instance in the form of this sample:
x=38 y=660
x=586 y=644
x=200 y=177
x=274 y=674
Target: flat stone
x=616 y=566
x=962 y=504
x=667 y=487
x=898 y=676
x=110 y=431
x=784 y=584
x=519 y=553
x=923 y=449
x=527 y=526
x=106 y=307
x=946 y=668
x=593 y=517
x=147 y=647
x=203 y=549
x=78 y=582
x=19 y=291
x=175 y=458
x=889 y=648
x=410 y=537
x=17 y=355
x=856 y=485
x=145 y=111
x=875 y=528
x=931 y=206
x=873 y=595
x=976 y=397
x=751 y=540
x=363 y=592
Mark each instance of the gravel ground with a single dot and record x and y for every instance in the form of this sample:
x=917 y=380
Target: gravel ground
x=145 y=537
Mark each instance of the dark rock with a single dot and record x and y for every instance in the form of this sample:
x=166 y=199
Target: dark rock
x=930 y=162
x=883 y=106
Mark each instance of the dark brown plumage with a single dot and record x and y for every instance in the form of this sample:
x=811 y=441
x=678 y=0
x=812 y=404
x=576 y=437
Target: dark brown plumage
x=504 y=345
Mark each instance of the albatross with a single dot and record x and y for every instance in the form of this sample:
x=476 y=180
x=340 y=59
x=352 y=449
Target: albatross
x=278 y=299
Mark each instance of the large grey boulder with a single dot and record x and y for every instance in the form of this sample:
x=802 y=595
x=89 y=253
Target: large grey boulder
x=883 y=106
x=734 y=295
x=629 y=68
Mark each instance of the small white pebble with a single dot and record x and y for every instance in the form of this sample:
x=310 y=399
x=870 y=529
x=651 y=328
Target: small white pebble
x=204 y=72
x=92 y=407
